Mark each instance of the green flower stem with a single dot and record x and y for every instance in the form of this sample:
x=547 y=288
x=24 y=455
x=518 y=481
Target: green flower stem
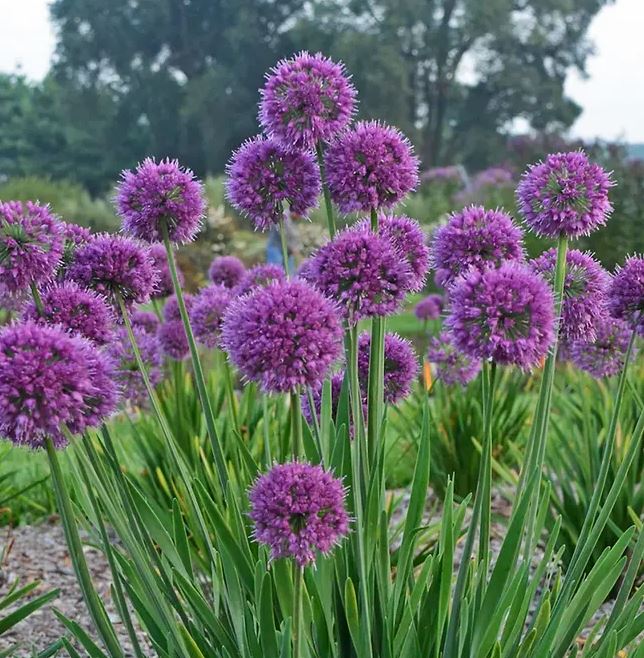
x=230 y=393
x=268 y=459
x=92 y=600
x=296 y=424
x=35 y=293
x=325 y=190
x=284 y=243
x=298 y=586
x=538 y=435
x=200 y=381
x=157 y=309
x=359 y=481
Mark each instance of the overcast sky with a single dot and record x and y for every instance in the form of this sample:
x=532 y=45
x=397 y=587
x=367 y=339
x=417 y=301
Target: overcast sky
x=612 y=97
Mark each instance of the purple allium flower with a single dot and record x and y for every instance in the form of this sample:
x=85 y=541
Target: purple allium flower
x=146 y=321
x=282 y=336
x=584 y=295
x=452 y=365
x=298 y=509
x=47 y=378
x=401 y=366
x=31 y=245
x=159 y=192
x=164 y=286
x=13 y=302
x=171 y=309
x=474 y=237
x=74 y=237
x=409 y=240
x=78 y=311
x=603 y=357
x=172 y=339
x=115 y=266
x=207 y=314
x=505 y=314
x=429 y=308
x=226 y=271
x=264 y=177
x=306 y=99
x=565 y=195
x=626 y=294
x=363 y=272
x=259 y=276
x=127 y=374
x=370 y=167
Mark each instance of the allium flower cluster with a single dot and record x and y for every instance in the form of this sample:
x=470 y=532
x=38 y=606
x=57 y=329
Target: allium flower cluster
x=47 y=378
x=429 y=308
x=78 y=311
x=207 y=314
x=401 y=366
x=173 y=340
x=565 y=195
x=146 y=321
x=127 y=374
x=584 y=295
x=259 y=276
x=226 y=271
x=505 y=314
x=408 y=239
x=171 y=309
x=31 y=245
x=283 y=336
x=604 y=356
x=370 y=167
x=452 y=365
x=474 y=237
x=74 y=236
x=157 y=193
x=164 y=285
x=306 y=99
x=363 y=272
x=115 y=266
x=298 y=509
x=264 y=177
x=626 y=294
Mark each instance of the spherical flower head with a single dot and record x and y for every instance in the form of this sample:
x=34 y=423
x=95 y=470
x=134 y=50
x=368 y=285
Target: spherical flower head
x=429 y=308
x=626 y=294
x=370 y=167
x=584 y=294
x=474 y=237
x=259 y=276
x=363 y=272
x=565 y=195
x=306 y=100
x=47 y=378
x=283 y=336
x=264 y=178
x=207 y=314
x=78 y=311
x=116 y=267
x=74 y=237
x=409 y=240
x=226 y=271
x=171 y=309
x=452 y=365
x=604 y=356
x=31 y=245
x=298 y=509
x=146 y=321
x=127 y=374
x=164 y=286
x=401 y=366
x=505 y=314
x=173 y=340
x=158 y=193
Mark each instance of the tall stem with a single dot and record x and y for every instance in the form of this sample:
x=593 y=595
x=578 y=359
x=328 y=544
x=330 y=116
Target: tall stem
x=196 y=363
x=296 y=424
x=35 y=293
x=298 y=586
x=230 y=394
x=325 y=190
x=94 y=605
x=284 y=244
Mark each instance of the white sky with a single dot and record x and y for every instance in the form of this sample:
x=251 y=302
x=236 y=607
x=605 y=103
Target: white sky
x=612 y=97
